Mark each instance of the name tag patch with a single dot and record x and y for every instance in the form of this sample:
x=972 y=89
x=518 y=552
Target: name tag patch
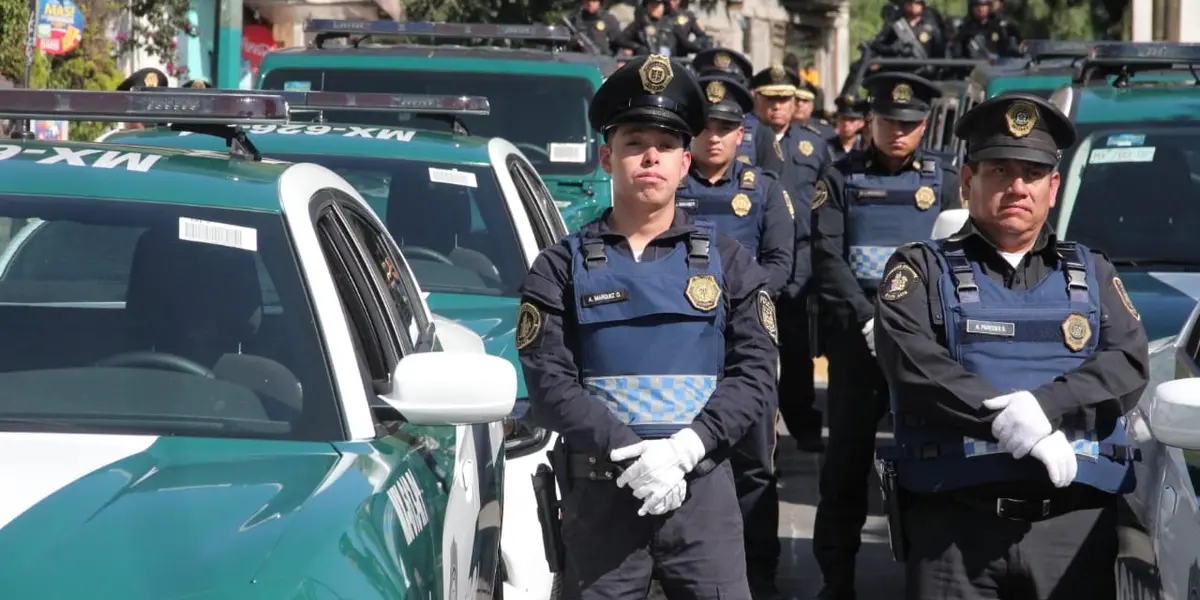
x=612 y=297
x=992 y=328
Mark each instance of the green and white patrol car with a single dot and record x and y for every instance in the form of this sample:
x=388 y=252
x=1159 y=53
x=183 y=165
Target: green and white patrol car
x=221 y=380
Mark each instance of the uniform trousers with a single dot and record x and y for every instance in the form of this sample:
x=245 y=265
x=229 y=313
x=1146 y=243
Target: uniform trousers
x=753 y=462
x=796 y=392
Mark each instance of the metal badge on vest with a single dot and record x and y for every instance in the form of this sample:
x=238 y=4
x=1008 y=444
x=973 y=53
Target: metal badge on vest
x=736 y=208
x=884 y=212
x=1017 y=340
x=651 y=334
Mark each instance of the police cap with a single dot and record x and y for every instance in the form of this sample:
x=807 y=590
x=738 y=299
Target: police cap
x=723 y=60
x=901 y=96
x=727 y=98
x=777 y=80
x=1016 y=126
x=196 y=83
x=805 y=90
x=144 y=78
x=650 y=90
x=851 y=106
x=979 y=3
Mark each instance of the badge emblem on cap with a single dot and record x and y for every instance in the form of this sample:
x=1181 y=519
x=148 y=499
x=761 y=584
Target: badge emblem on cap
x=902 y=93
x=806 y=148
x=1076 y=332
x=715 y=90
x=925 y=197
x=721 y=60
x=703 y=292
x=656 y=74
x=1022 y=117
x=777 y=74
x=150 y=80
x=741 y=205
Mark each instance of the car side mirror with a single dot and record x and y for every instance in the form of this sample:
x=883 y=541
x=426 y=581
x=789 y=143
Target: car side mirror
x=949 y=222
x=452 y=388
x=1175 y=413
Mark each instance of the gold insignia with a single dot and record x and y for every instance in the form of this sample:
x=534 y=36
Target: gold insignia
x=820 y=194
x=721 y=60
x=749 y=179
x=788 y=201
x=743 y=158
x=902 y=93
x=924 y=37
x=715 y=90
x=650 y=30
x=201 y=84
x=766 y=314
x=778 y=75
x=806 y=148
x=1076 y=332
x=151 y=79
x=898 y=282
x=925 y=197
x=916 y=165
x=741 y=205
x=699 y=24
x=681 y=19
x=600 y=25
x=778 y=149
x=656 y=73
x=995 y=37
x=703 y=292
x=1022 y=117
x=1117 y=283
x=529 y=325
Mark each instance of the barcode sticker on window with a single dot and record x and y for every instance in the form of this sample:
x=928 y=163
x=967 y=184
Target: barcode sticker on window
x=453 y=177
x=568 y=153
x=209 y=232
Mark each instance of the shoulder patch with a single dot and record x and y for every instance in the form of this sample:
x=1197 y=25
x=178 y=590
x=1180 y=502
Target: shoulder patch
x=529 y=325
x=766 y=315
x=1117 y=283
x=820 y=194
x=749 y=179
x=898 y=282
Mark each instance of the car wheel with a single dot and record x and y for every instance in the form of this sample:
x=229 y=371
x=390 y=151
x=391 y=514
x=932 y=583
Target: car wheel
x=1137 y=582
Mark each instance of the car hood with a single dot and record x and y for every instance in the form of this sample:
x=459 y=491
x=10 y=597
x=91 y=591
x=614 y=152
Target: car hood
x=579 y=199
x=145 y=517
x=1164 y=299
x=493 y=318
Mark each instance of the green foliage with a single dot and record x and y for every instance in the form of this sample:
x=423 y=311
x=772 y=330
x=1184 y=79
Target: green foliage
x=489 y=11
x=88 y=67
x=156 y=25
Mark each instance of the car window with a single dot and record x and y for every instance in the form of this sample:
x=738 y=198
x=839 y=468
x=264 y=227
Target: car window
x=558 y=142
x=451 y=221
x=158 y=318
x=1126 y=191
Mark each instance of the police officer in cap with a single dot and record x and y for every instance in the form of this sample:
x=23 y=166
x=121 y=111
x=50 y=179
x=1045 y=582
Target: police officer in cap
x=865 y=206
x=145 y=78
x=723 y=61
x=848 y=126
x=748 y=204
x=1010 y=353
x=807 y=101
x=196 y=83
x=648 y=344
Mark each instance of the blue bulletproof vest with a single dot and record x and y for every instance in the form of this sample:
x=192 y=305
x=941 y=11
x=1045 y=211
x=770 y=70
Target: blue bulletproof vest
x=651 y=334
x=736 y=206
x=1017 y=340
x=745 y=151
x=884 y=212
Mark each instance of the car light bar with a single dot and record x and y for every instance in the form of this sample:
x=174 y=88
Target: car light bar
x=1145 y=52
x=1044 y=49
x=198 y=106
x=495 y=31
x=315 y=101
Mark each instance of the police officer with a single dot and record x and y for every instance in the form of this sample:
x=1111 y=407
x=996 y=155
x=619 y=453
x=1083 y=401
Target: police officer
x=926 y=30
x=749 y=205
x=600 y=27
x=145 y=78
x=723 y=61
x=865 y=205
x=651 y=33
x=848 y=126
x=687 y=26
x=798 y=154
x=983 y=33
x=623 y=333
x=806 y=113
x=1010 y=352
x=196 y=83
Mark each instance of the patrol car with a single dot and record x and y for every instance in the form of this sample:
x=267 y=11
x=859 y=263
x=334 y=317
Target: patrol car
x=1137 y=155
x=470 y=214
x=221 y=379
x=540 y=97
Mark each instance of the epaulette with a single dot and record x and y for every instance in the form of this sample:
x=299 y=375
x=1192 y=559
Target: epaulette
x=811 y=128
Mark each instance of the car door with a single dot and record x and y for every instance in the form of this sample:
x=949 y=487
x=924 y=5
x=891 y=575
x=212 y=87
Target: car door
x=1177 y=472
x=547 y=222
x=469 y=453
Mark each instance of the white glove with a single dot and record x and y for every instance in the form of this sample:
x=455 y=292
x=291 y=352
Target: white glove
x=1021 y=423
x=1059 y=457
x=868 y=332
x=673 y=501
x=661 y=465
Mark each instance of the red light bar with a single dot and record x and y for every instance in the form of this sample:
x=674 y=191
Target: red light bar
x=418 y=103
x=256 y=108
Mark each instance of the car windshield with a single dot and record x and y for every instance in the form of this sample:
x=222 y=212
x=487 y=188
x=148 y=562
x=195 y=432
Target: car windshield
x=557 y=142
x=1129 y=190
x=451 y=220
x=137 y=317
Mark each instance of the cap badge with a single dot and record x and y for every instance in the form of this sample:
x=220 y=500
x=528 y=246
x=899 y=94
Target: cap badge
x=150 y=80
x=741 y=205
x=715 y=90
x=777 y=74
x=656 y=74
x=1022 y=117
x=902 y=93
x=925 y=197
x=721 y=60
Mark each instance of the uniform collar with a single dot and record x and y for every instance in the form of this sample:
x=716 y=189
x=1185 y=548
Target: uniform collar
x=731 y=174
x=681 y=225
x=874 y=161
x=1046 y=240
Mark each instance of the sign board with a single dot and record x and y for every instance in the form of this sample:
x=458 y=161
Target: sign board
x=59 y=26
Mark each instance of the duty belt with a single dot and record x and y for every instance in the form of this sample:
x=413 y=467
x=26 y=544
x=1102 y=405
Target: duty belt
x=586 y=466
x=1031 y=510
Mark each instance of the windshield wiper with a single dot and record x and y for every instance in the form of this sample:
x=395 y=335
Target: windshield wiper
x=1146 y=262
x=59 y=425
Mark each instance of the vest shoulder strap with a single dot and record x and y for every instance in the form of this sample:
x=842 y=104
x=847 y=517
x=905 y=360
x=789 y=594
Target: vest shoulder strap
x=1076 y=268
x=593 y=251
x=960 y=270
x=700 y=244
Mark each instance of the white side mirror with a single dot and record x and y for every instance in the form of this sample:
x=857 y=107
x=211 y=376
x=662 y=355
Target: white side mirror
x=949 y=222
x=1175 y=413
x=453 y=388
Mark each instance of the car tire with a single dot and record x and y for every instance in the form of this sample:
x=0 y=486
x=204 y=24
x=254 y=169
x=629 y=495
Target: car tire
x=1136 y=570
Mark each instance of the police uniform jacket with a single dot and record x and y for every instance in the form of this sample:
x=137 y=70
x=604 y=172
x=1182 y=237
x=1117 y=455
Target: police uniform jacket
x=837 y=150
x=843 y=301
x=687 y=27
x=926 y=381
x=995 y=35
x=601 y=28
x=649 y=36
x=560 y=403
x=927 y=31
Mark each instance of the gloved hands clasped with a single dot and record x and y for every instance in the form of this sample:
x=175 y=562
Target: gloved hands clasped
x=658 y=475
x=1023 y=429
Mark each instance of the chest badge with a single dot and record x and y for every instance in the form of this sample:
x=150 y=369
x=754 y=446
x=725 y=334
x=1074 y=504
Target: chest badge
x=703 y=292
x=741 y=205
x=650 y=30
x=749 y=179
x=806 y=148
x=995 y=37
x=1076 y=332
x=925 y=197
x=924 y=37
x=681 y=19
x=600 y=26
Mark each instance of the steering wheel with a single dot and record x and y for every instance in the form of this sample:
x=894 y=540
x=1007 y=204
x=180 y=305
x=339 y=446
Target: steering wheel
x=535 y=148
x=428 y=253
x=147 y=359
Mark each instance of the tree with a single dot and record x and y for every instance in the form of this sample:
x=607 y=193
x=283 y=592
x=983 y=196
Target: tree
x=489 y=11
x=90 y=66
x=156 y=27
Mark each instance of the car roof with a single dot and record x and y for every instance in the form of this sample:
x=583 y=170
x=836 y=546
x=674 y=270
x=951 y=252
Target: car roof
x=444 y=58
x=114 y=171
x=1100 y=104
x=389 y=142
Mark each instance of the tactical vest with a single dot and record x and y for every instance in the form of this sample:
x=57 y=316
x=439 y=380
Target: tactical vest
x=1017 y=340
x=745 y=151
x=651 y=334
x=735 y=207
x=884 y=212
